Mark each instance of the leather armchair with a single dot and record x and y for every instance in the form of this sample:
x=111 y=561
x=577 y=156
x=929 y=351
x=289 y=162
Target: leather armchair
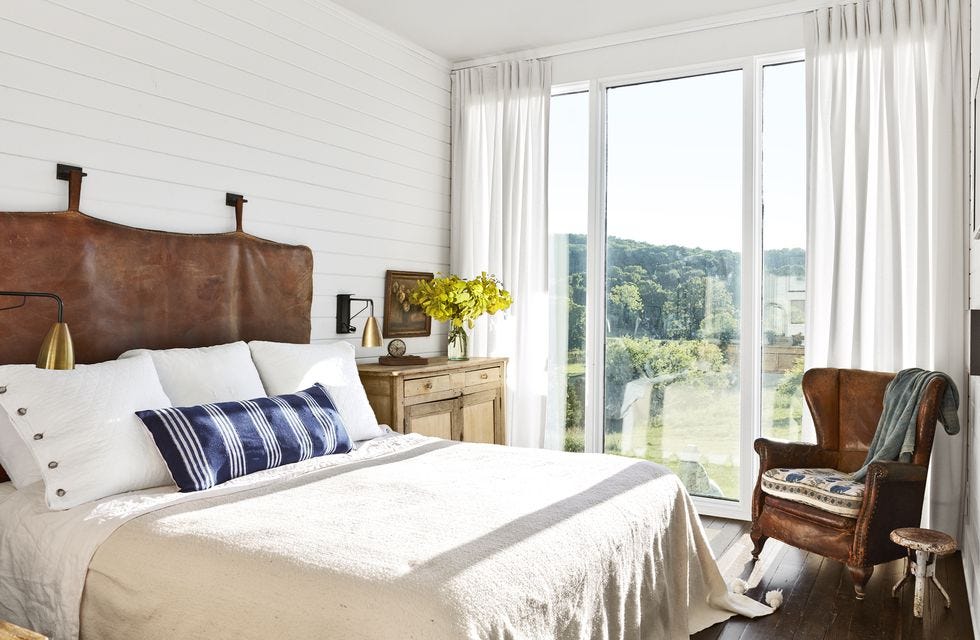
x=846 y=405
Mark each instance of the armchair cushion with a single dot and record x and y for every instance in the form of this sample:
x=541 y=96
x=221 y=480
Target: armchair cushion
x=826 y=489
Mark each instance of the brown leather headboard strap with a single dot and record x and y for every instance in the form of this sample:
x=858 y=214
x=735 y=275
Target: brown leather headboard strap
x=128 y=288
x=74 y=177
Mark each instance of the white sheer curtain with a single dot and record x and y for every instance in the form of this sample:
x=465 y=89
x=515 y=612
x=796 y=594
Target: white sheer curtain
x=887 y=218
x=500 y=221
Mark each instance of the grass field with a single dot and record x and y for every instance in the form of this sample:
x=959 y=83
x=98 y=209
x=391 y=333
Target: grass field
x=705 y=421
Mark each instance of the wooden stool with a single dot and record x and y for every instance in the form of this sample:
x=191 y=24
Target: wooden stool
x=924 y=547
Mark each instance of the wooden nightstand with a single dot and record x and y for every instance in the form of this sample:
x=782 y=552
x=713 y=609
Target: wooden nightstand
x=451 y=399
x=10 y=631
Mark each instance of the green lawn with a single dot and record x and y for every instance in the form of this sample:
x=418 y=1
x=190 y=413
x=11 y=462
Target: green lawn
x=707 y=419
x=575 y=368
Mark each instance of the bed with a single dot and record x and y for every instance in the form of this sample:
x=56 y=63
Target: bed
x=402 y=537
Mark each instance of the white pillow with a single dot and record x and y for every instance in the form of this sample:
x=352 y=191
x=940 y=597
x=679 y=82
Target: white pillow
x=288 y=368
x=223 y=373
x=82 y=429
x=15 y=456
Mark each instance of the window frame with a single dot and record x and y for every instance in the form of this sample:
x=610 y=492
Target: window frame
x=752 y=277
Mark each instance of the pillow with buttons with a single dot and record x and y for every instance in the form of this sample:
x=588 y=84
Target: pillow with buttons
x=15 y=456
x=82 y=430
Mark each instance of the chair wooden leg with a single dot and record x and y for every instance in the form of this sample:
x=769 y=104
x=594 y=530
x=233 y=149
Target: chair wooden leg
x=860 y=576
x=758 y=541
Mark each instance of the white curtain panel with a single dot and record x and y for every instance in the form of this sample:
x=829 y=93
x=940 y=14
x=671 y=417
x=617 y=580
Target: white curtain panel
x=888 y=191
x=500 y=222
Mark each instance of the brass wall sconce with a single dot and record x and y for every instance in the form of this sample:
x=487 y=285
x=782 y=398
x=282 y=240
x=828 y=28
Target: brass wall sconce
x=372 y=334
x=57 y=350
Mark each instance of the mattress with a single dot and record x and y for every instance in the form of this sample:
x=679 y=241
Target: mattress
x=407 y=537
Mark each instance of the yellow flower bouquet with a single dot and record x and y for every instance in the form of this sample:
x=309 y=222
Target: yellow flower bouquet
x=460 y=302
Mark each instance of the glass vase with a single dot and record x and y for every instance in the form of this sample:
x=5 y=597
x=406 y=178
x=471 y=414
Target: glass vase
x=459 y=344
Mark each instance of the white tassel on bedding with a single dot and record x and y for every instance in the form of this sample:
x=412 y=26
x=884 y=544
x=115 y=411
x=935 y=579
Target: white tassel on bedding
x=774 y=598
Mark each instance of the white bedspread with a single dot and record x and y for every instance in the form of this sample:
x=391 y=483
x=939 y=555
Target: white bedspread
x=407 y=537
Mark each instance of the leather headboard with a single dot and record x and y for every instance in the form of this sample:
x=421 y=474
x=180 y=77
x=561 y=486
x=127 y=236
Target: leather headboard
x=126 y=288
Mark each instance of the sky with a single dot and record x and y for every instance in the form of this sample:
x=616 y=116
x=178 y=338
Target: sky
x=675 y=159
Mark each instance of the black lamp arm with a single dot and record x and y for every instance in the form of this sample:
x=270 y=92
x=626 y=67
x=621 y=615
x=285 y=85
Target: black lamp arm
x=368 y=304
x=344 y=315
x=37 y=294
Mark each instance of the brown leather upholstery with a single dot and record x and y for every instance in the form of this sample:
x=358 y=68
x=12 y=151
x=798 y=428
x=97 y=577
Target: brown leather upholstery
x=846 y=405
x=128 y=288
x=800 y=510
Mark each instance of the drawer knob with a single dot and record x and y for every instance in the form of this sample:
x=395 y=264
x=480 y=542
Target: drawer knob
x=428 y=385
x=484 y=376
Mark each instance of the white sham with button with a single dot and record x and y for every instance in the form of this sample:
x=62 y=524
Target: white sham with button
x=91 y=443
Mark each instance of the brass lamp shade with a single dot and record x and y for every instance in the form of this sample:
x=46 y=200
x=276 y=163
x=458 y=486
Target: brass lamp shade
x=372 y=334
x=57 y=350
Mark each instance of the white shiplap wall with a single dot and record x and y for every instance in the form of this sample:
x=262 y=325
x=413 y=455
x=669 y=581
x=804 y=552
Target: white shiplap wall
x=335 y=130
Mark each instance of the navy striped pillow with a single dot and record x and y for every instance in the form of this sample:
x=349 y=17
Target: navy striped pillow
x=213 y=443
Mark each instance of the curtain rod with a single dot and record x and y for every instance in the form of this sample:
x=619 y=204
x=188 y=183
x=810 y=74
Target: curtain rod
x=794 y=7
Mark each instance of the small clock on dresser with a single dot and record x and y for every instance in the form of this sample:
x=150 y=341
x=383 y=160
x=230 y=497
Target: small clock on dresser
x=397 y=356
x=396 y=348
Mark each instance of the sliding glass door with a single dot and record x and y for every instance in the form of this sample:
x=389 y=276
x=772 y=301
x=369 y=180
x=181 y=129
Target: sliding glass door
x=677 y=218
x=568 y=220
x=783 y=257
x=673 y=265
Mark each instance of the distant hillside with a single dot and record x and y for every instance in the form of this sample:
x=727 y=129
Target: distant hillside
x=667 y=291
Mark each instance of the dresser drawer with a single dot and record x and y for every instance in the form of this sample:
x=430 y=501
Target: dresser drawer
x=482 y=376
x=423 y=386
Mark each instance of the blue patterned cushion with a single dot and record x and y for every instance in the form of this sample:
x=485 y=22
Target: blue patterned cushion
x=213 y=443
x=826 y=489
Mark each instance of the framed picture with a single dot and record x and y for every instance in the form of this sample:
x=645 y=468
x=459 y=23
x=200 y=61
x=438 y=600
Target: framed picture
x=402 y=318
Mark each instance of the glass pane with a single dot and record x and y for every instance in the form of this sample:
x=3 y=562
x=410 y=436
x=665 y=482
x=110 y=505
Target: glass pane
x=673 y=255
x=783 y=258
x=568 y=212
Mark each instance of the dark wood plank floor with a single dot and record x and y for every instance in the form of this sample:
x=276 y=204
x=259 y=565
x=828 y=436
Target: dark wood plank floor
x=818 y=596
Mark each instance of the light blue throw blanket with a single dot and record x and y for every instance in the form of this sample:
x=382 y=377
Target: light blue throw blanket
x=895 y=437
